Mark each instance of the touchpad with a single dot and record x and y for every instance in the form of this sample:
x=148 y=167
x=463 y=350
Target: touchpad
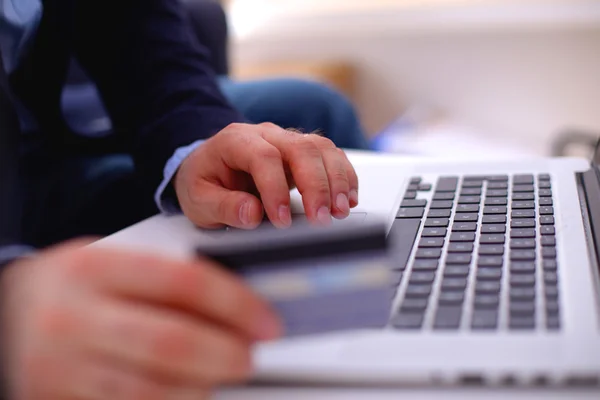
x=354 y=219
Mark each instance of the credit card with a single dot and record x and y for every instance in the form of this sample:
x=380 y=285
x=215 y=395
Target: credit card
x=318 y=280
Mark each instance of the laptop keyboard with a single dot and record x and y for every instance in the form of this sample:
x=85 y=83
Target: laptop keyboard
x=485 y=254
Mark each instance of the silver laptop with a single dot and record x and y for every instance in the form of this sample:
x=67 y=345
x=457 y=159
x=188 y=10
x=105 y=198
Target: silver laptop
x=498 y=279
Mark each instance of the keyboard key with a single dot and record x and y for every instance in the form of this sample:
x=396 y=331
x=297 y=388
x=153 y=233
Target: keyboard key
x=447 y=317
x=522 y=267
x=491 y=250
x=523 y=205
x=459 y=259
x=551 y=292
x=496 y=193
x=550 y=278
x=546 y=210
x=462 y=237
x=522 y=255
x=439 y=214
x=553 y=323
x=487 y=301
x=425 y=265
x=547 y=220
x=413 y=203
x=497 y=178
x=549 y=252
x=405 y=232
x=490 y=261
x=544 y=177
x=548 y=241
x=447 y=184
x=545 y=193
x=410 y=320
x=422 y=278
x=522 y=244
x=472 y=184
x=460 y=248
x=464 y=227
x=466 y=217
x=522 y=294
x=546 y=201
x=454 y=284
x=412 y=187
x=410 y=195
x=493 y=228
x=497 y=185
x=437 y=222
x=523 y=179
x=456 y=271
x=469 y=200
x=417 y=291
x=443 y=196
x=489 y=274
x=444 y=204
x=550 y=265
x=548 y=230
x=434 y=232
x=475 y=178
x=494 y=219
x=431 y=242
x=415 y=180
x=552 y=307
x=522 y=233
x=490 y=210
x=522 y=308
x=522 y=323
x=492 y=239
x=523 y=196
x=487 y=287
x=467 y=208
x=484 y=319
x=424 y=187
x=496 y=201
x=470 y=192
x=405 y=213
x=523 y=189
x=412 y=304
x=523 y=214
x=451 y=298
x=522 y=280
x=429 y=253
x=522 y=223
x=545 y=185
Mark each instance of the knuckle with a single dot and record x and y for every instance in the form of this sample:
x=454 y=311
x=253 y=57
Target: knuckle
x=324 y=142
x=305 y=147
x=270 y=125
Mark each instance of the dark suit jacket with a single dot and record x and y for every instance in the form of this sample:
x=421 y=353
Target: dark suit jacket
x=153 y=75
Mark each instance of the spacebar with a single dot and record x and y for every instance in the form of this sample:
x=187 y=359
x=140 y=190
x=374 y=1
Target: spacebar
x=403 y=234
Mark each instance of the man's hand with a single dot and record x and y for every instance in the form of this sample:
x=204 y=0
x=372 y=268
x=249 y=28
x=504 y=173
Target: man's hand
x=247 y=170
x=96 y=324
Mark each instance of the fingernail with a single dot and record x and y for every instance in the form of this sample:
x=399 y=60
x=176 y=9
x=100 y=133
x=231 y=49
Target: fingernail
x=353 y=197
x=268 y=328
x=285 y=216
x=342 y=203
x=324 y=216
x=245 y=213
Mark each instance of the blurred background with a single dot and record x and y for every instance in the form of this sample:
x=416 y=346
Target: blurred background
x=506 y=78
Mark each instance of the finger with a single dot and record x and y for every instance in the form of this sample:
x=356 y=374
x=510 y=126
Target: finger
x=171 y=346
x=333 y=159
x=200 y=288
x=308 y=170
x=352 y=181
x=248 y=151
x=217 y=206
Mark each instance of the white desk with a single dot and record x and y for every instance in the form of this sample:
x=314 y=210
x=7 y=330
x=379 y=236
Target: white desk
x=175 y=236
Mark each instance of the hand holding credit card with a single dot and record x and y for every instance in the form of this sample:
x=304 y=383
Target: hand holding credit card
x=319 y=280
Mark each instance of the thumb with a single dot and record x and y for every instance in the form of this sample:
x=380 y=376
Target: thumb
x=215 y=206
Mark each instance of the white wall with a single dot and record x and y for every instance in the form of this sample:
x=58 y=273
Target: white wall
x=520 y=74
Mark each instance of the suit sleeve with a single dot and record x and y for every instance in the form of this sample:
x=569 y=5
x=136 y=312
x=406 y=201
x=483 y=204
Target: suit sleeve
x=153 y=75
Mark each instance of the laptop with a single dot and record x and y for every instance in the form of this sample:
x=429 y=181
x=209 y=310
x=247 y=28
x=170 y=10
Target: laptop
x=497 y=279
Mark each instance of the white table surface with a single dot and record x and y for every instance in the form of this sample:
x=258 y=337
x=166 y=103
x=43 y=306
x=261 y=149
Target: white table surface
x=175 y=236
